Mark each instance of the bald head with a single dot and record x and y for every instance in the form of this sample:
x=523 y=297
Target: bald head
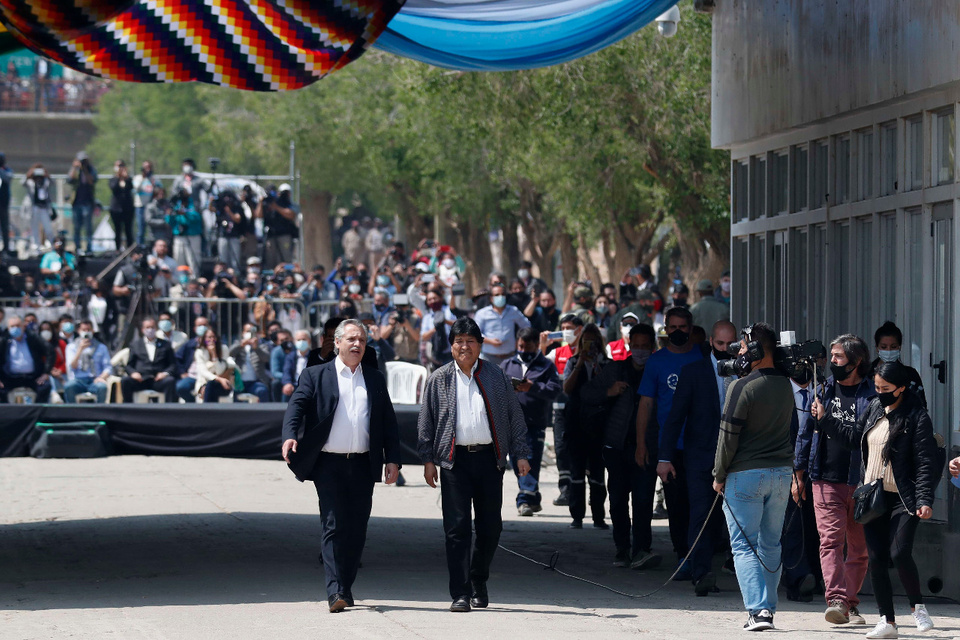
x=723 y=334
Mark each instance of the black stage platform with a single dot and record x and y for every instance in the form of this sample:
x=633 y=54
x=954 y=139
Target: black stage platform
x=236 y=430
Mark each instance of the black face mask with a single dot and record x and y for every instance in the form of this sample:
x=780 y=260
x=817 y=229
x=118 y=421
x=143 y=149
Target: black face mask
x=286 y=346
x=743 y=365
x=887 y=398
x=527 y=356
x=680 y=302
x=549 y=309
x=840 y=373
x=805 y=376
x=679 y=338
x=721 y=355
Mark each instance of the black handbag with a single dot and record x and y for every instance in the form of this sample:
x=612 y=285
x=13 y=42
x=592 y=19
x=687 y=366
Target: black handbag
x=869 y=503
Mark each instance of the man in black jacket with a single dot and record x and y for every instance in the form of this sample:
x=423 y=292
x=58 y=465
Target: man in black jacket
x=338 y=431
x=25 y=361
x=627 y=481
x=151 y=365
x=536 y=382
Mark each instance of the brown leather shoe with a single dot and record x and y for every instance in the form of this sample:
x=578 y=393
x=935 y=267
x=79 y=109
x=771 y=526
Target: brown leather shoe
x=337 y=603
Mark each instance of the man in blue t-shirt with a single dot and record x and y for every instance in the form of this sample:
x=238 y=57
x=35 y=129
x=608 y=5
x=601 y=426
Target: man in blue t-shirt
x=656 y=389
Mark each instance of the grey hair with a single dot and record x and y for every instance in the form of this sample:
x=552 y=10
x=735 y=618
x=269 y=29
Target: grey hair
x=854 y=348
x=342 y=328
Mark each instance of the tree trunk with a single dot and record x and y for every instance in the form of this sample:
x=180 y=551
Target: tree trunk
x=474 y=248
x=317 y=238
x=415 y=226
x=510 y=260
x=568 y=263
x=586 y=264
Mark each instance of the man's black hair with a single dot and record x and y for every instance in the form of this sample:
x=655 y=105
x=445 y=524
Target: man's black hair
x=573 y=319
x=641 y=329
x=682 y=313
x=332 y=323
x=528 y=334
x=765 y=335
x=465 y=326
x=888 y=330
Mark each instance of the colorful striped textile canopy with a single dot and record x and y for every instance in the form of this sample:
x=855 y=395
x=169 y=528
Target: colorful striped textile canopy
x=502 y=35
x=258 y=45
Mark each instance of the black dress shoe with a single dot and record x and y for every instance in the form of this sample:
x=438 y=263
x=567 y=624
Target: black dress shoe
x=480 y=598
x=576 y=524
x=461 y=605
x=337 y=603
x=348 y=598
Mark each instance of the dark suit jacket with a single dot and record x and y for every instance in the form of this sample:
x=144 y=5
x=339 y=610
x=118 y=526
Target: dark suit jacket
x=695 y=412
x=163 y=359
x=39 y=350
x=309 y=418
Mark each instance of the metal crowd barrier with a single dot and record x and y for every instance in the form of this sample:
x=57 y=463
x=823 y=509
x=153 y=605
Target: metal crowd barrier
x=46 y=309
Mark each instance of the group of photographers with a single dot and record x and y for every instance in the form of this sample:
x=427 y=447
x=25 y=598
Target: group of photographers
x=784 y=465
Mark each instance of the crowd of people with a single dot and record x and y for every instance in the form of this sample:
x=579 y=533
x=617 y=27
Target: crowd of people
x=40 y=91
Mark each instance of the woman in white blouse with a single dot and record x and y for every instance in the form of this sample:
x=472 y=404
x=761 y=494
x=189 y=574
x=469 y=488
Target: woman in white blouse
x=215 y=369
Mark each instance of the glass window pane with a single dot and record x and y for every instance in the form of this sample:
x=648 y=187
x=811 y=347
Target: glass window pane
x=818 y=281
x=888 y=267
x=778 y=183
x=914 y=153
x=819 y=192
x=841 y=276
x=800 y=179
x=843 y=170
x=864 y=262
x=796 y=284
x=888 y=159
x=913 y=331
x=740 y=292
x=741 y=191
x=775 y=313
x=946 y=143
x=865 y=169
x=758 y=188
x=758 y=268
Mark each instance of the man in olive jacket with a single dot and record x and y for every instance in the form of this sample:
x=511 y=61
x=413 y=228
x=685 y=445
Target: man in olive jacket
x=470 y=419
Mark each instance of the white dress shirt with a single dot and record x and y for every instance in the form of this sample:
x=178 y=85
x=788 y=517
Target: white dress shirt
x=301 y=365
x=473 y=426
x=350 y=432
x=151 y=348
x=803 y=408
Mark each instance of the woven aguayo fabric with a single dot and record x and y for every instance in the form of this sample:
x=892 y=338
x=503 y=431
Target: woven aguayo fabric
x=257 y=45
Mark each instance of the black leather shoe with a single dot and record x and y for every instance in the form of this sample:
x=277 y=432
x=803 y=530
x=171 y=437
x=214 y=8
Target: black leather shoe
x=705 y=584
x=461 y=605
x=480 y=598
x=337 y=603
x=348 y=598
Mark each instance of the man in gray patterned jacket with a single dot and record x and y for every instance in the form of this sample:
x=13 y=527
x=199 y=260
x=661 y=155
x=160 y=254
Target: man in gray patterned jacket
x=470 y=419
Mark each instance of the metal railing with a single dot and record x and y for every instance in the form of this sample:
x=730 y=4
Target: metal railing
x=51 y=95
x=228 y=315
x=49 y=309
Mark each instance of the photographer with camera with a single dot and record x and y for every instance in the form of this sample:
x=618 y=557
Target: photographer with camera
x=83 y=179
x=187 y=226
x=230 y=227
x=39 y=191
x=191 y=185
x=834 y=472
x=121 y=204
x=155 y=216
x=280 y=225
x=753 y=467
x=403 y=330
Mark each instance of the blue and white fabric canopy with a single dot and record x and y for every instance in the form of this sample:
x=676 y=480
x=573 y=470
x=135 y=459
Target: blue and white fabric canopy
x=503 y=35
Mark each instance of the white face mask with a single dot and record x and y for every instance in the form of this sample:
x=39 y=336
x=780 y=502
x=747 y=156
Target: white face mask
x=247 y=335
x=354 y=288
x=523 y=274
x=187 y=169
x=46 y=335
x=569 y=336
x=725 y=286
x=449 y=263
x=625 y=331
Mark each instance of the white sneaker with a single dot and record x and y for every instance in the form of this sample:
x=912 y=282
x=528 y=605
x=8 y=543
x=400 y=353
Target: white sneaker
x=924 y=623
x=884 y=630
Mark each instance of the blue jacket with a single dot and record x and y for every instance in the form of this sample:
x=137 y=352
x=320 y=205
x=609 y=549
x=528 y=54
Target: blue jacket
x=277 y=359
x=290 y=368
x=806 y=453
x=695 y=414
x=185 y=355
x=537 y=404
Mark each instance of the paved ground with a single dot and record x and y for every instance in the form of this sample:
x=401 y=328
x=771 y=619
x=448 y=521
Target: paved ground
x=141 y=547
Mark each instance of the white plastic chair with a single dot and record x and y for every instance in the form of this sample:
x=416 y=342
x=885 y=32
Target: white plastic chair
x=147 y=396
x=21 y=395
x=405 y=381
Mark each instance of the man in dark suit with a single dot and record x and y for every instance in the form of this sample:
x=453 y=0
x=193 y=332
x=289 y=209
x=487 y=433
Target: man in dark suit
x=25 y=361
x=338 y=431
x=695 y=414
x=151 y=365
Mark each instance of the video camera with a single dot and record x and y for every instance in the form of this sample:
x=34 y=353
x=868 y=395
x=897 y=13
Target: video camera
x=789 y=357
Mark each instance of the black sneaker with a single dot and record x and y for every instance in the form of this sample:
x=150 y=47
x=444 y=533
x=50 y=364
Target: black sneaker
x=705 y=584
x=760 y=622
x=601 y=525
x=576 y=524
x=563 y=500
x=622 y=559
x=660 y=512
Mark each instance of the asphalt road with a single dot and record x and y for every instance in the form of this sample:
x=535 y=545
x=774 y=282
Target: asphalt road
x=155 y=548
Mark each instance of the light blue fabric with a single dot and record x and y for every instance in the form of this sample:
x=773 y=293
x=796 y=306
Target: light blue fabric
x=484 y=45
x=498 y=10
x=757 y=498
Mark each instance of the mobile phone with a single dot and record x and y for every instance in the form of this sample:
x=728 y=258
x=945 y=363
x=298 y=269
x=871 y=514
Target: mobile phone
x=400 y=299
x=428 y=277
x=555 y=335
x=516 y=382
x=457 y=289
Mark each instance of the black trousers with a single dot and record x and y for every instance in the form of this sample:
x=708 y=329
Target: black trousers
x=345 y=491
x=586 y=466
x=698 y=467
x=676 y=495
x=800 y=543
x=122 y=222
x=167 y=386
x=474 y=480
x=560 y=448
x=890 y=538
x=5 y=225
x=630 y=485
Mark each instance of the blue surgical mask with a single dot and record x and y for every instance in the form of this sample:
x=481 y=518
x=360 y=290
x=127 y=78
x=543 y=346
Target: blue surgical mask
x=184 y=278
x=499 y=301
x=67 y=328
x=889 y=356
x=16 y=332
x=165 y=326
x=202 y=329
x=302 y=345
x=383 y=281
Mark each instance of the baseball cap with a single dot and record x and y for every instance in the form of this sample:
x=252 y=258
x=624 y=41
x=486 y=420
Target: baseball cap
x=283 y=187
x=705 y=285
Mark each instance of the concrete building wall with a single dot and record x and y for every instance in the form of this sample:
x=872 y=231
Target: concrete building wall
x=50 y=138
x=780 y=64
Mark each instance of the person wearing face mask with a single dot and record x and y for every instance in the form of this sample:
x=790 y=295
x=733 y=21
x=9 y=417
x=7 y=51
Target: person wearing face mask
x=897 y=446
x=151 y=365
x=601 y=311
x=382 y=309
x=25 y=361
x=434 y=327
x=708 y=310
x=384 y=281
x=518 y=296
x=659 y=383
x=167 y=331
x=448 y=267
x=722 y=292
x=619 y=349
x=57 y=348
x=631 y=487
x=570 y=329
x=542 y=311
x=583 y=430
x=695 y=413
x=121 y=204
x=192 y=185
x=186 y=364
x=537 y=388
x=888 y=340
x=679 y=293
x=67 y=328
x=531 y=284
x=834 y=473
x=752 y=469
x=295 y=362
x=281 y=217
x=215 y=369
x=282 y=345
x=499 y=324
x=88 y=362
x=145 y=188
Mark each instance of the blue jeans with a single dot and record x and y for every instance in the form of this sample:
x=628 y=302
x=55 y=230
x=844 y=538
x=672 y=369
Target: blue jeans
x=75 y=387
x=141 y=226
x=757 y=500
x=82 y=220
x=530 y=483
x=258 y=389
x=185 y=389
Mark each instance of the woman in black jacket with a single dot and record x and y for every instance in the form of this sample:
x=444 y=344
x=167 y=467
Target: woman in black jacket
x=121 y=203
x=897 y=444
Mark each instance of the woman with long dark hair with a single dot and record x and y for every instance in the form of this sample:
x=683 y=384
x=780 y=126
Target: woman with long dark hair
x=215 y=368
x=896 y=440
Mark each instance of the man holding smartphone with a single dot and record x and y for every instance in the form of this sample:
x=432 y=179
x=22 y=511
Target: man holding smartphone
x=537 y=384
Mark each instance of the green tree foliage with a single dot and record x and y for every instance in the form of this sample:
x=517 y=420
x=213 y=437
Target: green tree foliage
x=610 y=150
